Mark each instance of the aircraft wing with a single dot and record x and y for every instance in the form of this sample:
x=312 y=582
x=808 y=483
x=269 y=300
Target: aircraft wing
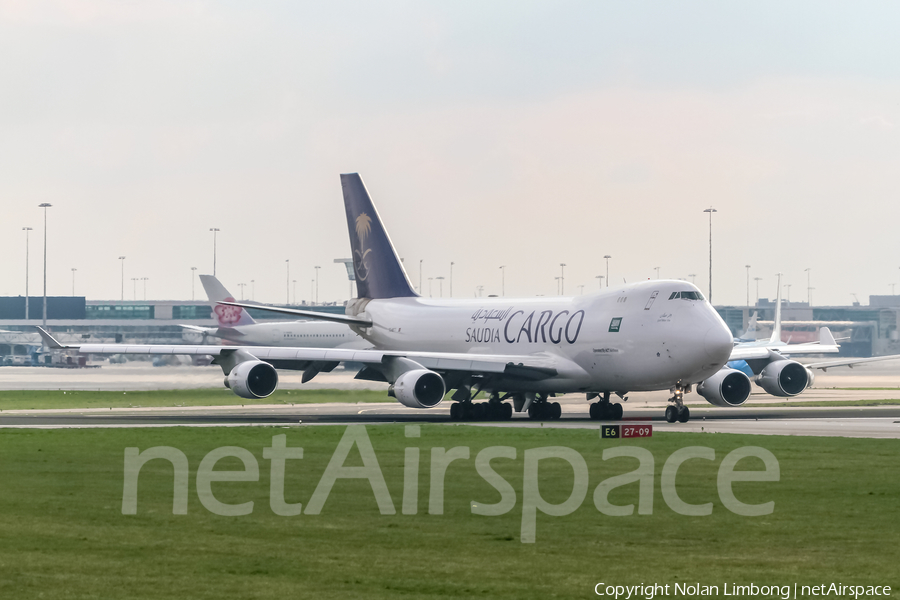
x=309 y=314
x=850 y=362
x=529 y=367
x=758 y=352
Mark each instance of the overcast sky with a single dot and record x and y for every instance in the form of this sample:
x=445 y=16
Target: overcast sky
x=525 y=134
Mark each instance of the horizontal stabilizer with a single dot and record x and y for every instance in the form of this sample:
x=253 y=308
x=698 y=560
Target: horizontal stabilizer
x=309 y=314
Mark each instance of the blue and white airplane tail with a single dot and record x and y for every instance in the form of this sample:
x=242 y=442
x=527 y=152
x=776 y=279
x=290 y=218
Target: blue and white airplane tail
x=226 y=316
x=379 y=273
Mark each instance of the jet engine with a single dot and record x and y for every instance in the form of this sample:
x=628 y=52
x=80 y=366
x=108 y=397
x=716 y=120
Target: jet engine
x=784 y=378
x=728 y=387
x=419 y=388
x=252 y=379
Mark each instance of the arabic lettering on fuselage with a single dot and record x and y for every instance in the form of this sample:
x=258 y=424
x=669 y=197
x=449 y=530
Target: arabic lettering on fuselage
x=514 y=326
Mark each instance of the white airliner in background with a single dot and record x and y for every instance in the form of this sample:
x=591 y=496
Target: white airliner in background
x=237 y=326
x=652 y=335
x=768 y=363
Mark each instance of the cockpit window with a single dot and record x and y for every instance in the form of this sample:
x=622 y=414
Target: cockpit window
x=686 y=296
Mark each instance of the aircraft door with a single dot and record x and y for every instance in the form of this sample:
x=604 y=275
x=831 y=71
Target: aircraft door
x=650 y=301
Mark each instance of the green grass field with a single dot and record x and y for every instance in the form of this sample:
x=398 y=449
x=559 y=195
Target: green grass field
x=63 y=534
x=41 y=399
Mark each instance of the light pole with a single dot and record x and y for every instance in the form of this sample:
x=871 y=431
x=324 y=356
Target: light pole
x=502 y=280
x=580 y=289
x=757 y=280
x=600 y=279
x=420 y=274
x=607 y=257
x=294 y=281
x=243 y=285
x=441 y=287
x=312 y=285
x=710 y=210
x=788 y=286
x=73 y=280
x=144 y=279
x=134 y=281
x=122 y=262
x=808 y=287
x=451 y=278
x=26 y=230
x=45 y=206
x=480 y=290
x=657 y=272
x=215 y=231
x=429 y=286
x=253 y=289
x=193 y=269
x=693 y=277
x=748 y=285
x=562 y=278
x=287 y=284
x=557 y=286
x=317 y=284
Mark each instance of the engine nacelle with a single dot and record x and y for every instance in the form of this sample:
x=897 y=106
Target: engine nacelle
x=728 y=387
x=784 y=378
x=252 y=379
x=419 y=388
x=812 y=377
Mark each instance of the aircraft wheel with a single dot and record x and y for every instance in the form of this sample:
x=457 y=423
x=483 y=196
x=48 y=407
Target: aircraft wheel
x=684 y=414
x=479 y=412
x=507 y=411
x=454 y=411
x=671 y=414
x=595 y=414
x=617 y=412
x=555 y=410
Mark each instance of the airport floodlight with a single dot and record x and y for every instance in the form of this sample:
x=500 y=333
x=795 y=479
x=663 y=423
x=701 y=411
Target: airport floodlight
x=757 y=280
x=243 y=285
x=215 y=231
x=317 y=283
x=748 y=285
x=134 y=281
x=600 y=279
x=287 y=262
x=73 y=280
x=26 y=230
x=122 y=263
x=253 y=289
x=710 y=210
x=657 y=272
x=502 y=280
x=144 y=279
x=193 y=274
x=451 y=278
x=808 y=287
x=693 y=277
x=607 y=257
x=441 y=287
x=45 y=206
x=562 y=278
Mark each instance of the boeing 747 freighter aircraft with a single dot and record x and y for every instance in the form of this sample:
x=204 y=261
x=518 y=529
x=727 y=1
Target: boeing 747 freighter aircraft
x=652 y=335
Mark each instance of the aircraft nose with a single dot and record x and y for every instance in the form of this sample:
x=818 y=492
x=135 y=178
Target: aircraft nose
x=718 y=343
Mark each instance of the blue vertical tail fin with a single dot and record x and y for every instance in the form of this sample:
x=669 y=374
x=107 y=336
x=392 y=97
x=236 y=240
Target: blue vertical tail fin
x=379 y=273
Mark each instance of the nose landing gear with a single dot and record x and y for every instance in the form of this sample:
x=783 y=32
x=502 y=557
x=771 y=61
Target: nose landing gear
x=677 y=411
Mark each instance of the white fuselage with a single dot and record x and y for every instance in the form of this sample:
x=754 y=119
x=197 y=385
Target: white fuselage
x=303 y=334
x=633 y=338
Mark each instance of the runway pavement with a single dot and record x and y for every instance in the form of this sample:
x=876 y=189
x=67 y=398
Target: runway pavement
x=875 y=422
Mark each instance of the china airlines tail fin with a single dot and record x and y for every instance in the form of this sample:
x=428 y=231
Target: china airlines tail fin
x=379 y=273
x=226 y=316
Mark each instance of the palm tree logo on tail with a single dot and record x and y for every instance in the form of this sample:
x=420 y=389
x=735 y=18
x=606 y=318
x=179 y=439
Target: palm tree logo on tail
x=363 y=228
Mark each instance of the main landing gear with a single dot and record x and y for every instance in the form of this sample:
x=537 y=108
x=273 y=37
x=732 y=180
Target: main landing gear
x=604 y=410
x=541 y=410
x=677 y=411
x=493 y=410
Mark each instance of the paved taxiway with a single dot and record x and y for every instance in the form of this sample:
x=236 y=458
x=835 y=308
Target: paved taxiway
x=876 y=421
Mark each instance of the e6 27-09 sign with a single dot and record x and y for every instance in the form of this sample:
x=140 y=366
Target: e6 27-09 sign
x=626 y=431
